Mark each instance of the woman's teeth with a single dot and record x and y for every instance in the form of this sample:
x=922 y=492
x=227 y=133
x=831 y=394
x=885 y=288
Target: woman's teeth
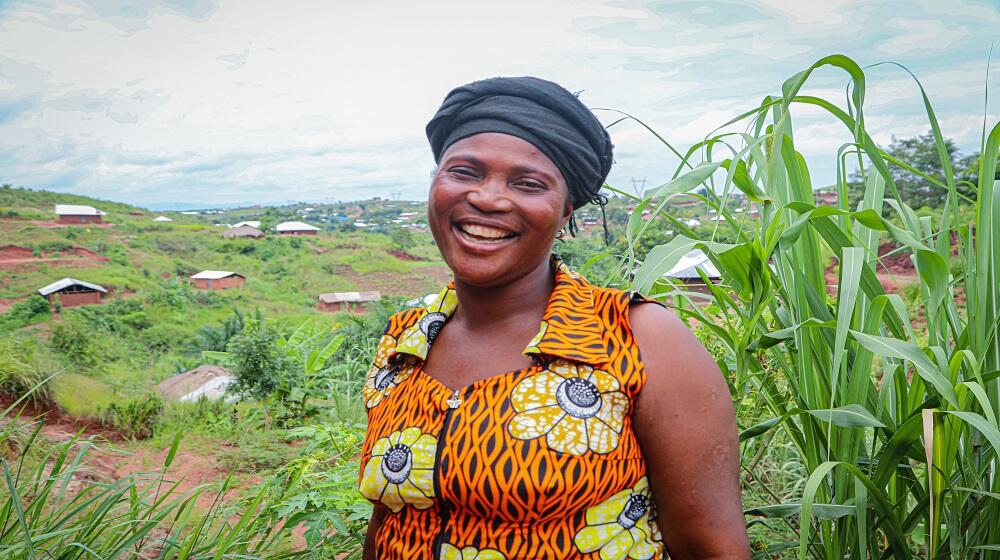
x=484 y=234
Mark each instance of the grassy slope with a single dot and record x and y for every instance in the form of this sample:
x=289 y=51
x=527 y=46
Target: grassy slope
x=283 y=276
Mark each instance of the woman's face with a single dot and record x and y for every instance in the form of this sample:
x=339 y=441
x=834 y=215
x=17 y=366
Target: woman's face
x=496 y=204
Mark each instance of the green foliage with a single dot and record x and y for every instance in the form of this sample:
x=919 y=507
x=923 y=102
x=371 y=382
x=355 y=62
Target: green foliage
x=81 y=396
x=178 y=294
x=402 y=239
x=51 y=507
x=216 y=339
x=32 y=310
x=261 y=368
x=922 y=181
x=135 y=418
x=25 y=367
x=73 y=337
x=869 y=424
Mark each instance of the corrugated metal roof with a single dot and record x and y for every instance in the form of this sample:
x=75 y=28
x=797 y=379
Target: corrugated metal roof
x=295 y=226
x=162 y=219
x=349 y=297
x=251 y=223
x=67 y=282
x=687 y=267
x=75 y=210
x=214 y=275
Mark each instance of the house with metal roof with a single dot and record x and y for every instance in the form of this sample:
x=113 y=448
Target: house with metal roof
x=251 y=223
x=72 y=292
x=76 y=214
x=217 y=280
x=355 y=302
x=687 y=268
x=296 y=228
x=162 y=219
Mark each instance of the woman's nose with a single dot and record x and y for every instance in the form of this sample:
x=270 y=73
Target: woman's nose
x=491 y=195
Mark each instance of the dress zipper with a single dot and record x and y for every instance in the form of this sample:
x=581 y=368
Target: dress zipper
x=453 y=402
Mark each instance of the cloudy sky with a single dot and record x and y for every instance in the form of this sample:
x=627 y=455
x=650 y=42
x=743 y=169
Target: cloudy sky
x=157 y=102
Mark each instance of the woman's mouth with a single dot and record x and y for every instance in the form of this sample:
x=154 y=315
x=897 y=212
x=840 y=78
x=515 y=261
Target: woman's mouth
x=483 y=235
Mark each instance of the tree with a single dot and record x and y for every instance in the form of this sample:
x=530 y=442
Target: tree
x=259 y=364
x=402 y=239
x=920 y=152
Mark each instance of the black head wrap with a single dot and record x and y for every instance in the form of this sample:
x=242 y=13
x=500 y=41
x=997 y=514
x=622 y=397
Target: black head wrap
x=537 y=111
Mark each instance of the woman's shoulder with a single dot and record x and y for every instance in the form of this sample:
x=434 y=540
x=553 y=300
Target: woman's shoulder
x=401 y=320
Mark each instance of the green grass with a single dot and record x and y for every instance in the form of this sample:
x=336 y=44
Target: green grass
x=865 y=433
x=81 y=396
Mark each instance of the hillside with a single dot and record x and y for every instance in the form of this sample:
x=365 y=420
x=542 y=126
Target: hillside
x=155 y=316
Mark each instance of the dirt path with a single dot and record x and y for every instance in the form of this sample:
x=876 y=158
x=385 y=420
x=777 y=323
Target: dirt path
x=111 y=457
x=13 y=256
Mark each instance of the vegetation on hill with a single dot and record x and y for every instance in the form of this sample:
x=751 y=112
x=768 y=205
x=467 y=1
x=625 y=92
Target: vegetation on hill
x=868 y=412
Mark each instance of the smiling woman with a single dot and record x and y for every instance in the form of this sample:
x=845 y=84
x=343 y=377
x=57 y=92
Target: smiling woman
x=513 y=416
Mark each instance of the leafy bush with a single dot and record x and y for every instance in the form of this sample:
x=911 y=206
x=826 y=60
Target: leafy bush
x=74 y=337
x=163 y=337
x=32 y=310
x=134 y=419
x=24 y=367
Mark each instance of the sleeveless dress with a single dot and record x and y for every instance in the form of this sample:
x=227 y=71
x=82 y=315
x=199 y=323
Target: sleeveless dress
x=536 y=463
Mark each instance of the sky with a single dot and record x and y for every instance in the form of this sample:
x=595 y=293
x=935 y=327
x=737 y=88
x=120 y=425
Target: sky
x=193 y=102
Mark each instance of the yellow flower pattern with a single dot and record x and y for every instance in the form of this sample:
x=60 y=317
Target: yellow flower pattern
x=450 y=552
x=575 y=407
x=417 y=339
x=401 y=470
x=383 y=377
x=619 y=527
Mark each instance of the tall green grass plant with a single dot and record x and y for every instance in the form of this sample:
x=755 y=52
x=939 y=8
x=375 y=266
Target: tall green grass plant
x=890 y=409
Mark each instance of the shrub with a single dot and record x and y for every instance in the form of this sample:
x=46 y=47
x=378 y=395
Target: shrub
x=73 y=337
x=163 y=337
x=134 y=419
x=23 y=368
x=32 y=310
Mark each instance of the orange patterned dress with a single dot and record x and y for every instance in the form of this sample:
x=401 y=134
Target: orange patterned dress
x=537 y=463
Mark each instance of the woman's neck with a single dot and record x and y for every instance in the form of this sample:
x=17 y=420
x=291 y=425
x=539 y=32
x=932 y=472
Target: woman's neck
x=521 y=300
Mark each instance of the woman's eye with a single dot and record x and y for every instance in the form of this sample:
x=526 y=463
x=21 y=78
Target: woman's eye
x=530 y=184
x=464 y=171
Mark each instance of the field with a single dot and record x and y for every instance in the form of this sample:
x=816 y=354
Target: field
x=858 y=336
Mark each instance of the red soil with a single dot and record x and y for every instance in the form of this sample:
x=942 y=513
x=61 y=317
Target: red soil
x=54 y=224
x=107 y=460
x=13 y=256
x=404 y=256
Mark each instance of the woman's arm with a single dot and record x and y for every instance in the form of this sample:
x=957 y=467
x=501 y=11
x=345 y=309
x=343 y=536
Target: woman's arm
x=687 y=431
x=378 y=516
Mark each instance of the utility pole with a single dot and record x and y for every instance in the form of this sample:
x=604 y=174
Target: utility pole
x=638 y=186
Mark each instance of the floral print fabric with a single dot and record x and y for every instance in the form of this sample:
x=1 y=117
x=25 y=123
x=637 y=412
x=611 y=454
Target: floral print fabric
x=537 y=463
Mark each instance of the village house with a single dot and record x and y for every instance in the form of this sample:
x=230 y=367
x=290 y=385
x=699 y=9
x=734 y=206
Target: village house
x=162 y=219
x=826 y=197
x=354 y=302
x=296 y=228
x=252 y=223
x=217 y=280
x=686 y=270
x=75 y=214
x=72 y=292
x=243 y=231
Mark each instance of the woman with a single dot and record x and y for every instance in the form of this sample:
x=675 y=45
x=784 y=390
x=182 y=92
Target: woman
x=512 y=416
